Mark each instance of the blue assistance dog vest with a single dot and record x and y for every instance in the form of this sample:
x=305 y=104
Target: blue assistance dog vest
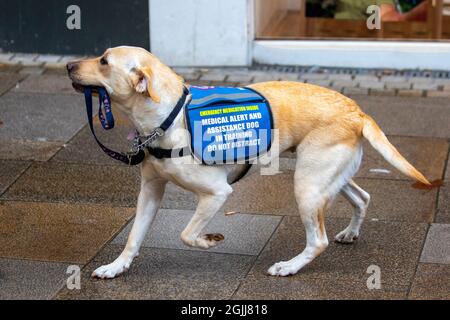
x=228 y=125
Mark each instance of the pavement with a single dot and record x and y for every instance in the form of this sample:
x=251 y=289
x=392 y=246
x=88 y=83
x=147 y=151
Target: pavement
x=64 y=204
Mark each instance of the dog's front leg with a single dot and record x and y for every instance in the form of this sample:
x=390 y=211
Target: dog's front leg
x=208 y=205
x=152 y=191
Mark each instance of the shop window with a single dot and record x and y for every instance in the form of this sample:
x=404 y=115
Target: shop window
x=348 y=19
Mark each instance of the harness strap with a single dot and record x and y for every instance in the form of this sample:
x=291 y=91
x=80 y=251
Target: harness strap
x=173 y=115
x=160 y=153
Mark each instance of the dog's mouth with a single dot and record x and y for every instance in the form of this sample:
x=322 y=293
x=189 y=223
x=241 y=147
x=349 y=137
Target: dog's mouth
x=78 y=87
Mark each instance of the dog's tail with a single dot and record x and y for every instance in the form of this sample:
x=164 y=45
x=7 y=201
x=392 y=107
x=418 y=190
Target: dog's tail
x=372 y=132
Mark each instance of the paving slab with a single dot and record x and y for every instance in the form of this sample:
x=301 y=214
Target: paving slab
x=84 y=149
x=314 y=76
x=437 y=245
x=382 y=92
x=394 y=247
x=423 y=80
x=391 y=200
x=266 y=78
x=13 y=149
x=411 y=93
x=438 y=94
x=394 y=78
x=406 y=116
x=41 y=117
x=398 y=85
x=443 y=212
x=243 y=78
x=30 y=280
x=340 y=84
x=178 y=198
x=320 y=83
x=269 y=288
x=263 y=195
x=213 y=76
x=57 y=70
x=432 y=282
x=290 y=77
x=53 y=84
x=37 y=70
x=163 y=274
x=425 y=85
x=58 y=232
x=447 y=171
x=200 y=83
x=187 y=72
x=244 y=233
x=10 y=171
x=372 y=84
x=355 y=91
x=9 y=68
x=72 y=183
x=340 y=77
x=9 y=81
x=366 y=78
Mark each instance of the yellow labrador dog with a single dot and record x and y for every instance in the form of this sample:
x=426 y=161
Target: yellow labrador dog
x=324 y=127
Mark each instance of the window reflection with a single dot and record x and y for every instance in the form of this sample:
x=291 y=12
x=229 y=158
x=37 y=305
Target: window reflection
x=400 y=19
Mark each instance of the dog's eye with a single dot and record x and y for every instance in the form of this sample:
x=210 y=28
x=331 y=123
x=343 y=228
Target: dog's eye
x=103 y=62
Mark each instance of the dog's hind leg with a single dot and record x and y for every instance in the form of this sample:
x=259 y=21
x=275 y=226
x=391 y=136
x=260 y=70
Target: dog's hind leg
x=152 y=191
x=359 y=199
x=323 y=167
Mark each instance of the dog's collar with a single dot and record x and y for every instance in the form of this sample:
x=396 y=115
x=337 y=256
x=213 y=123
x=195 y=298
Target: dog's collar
x=137 y=154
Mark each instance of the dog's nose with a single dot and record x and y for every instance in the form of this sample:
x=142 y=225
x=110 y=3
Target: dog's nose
x=71 y=66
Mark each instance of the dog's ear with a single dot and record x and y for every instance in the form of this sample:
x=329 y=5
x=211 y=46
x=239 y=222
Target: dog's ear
x=144 y=84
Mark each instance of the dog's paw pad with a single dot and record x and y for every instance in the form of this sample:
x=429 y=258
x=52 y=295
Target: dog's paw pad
x=208 y=240
x=217 y=237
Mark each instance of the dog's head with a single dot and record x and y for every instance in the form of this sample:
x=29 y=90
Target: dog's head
x=124 y=72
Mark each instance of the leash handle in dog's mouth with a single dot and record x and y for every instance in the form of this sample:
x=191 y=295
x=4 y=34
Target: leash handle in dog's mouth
x=107 y=121
x=105 y=114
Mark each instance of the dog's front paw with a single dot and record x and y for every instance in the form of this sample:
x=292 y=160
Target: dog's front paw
x=209 y=240
x=111 y=271
x=283 y=269
x=346 y=236
x=206 y=241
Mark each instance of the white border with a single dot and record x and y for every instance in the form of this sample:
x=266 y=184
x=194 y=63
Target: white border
x=356 y=54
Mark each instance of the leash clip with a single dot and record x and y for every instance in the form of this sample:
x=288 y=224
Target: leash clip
x=159 y=132
x=155 y=135
x=138 y=145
